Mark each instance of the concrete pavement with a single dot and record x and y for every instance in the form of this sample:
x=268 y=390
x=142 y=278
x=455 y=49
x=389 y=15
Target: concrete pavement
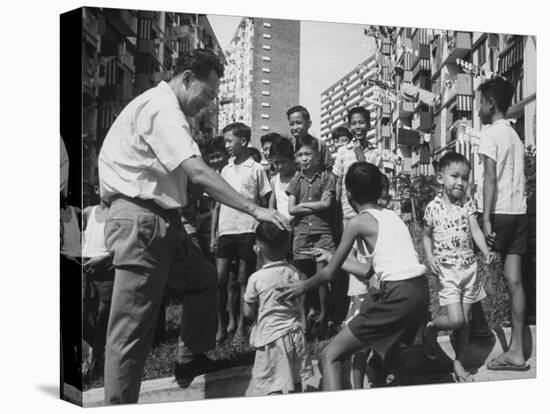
x=235 y=382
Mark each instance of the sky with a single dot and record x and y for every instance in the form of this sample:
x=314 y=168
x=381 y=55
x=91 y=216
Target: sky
x=327 y=52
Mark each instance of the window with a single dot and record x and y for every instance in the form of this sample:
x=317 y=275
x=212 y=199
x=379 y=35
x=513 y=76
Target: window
x=267 y=36
x=266 y=81
x=266 y=58
x=268 y=25
x=265 y=93
x=265 y=116
x=265 y=105
x=481 y=54
x=266 y=47
x=266 y=70
x=265 y=128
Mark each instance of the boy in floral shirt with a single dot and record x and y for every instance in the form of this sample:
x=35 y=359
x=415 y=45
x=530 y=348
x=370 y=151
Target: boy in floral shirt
x=450 y=225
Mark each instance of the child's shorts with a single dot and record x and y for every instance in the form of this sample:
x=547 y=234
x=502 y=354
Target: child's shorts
x=282 y=363
x=303 y=241
x=511 y=236
x=240 y=247
x=460 y=284
x=392 y=314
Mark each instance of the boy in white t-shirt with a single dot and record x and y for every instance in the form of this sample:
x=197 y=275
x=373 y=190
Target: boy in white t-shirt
x=504 y=206
x=236 y=229
x=282 y=362
x=282 y=157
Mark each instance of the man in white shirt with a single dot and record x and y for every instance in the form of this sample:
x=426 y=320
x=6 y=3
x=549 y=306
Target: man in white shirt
x=504 y=206
x=144 y=164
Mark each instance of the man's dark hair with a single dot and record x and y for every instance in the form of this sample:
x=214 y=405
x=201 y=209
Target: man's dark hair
x=452 y=158
x=364 y=182
x=271 y=137
x=341 y=131
x=301 y=109
x=282 y=148
x=271 y=235
x=501 y=90
x=254 y=153
x=359 y=110
x=199 y=61
x=239 y=130
x=216 y=144
x=307 y=141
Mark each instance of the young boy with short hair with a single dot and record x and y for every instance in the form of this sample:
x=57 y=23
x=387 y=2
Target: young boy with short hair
x=311 y=195
x=450 y=225
x=282 y=362
x=299 y=122
x=236 y=230
x=504 y=206
x=281 y=153
x=266 y=141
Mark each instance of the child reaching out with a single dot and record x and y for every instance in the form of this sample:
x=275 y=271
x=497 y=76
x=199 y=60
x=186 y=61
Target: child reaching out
x=394 y=312
x=282 y=362
x=450 y=225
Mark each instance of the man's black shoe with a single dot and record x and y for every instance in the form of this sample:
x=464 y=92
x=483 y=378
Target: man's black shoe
x=184 y=373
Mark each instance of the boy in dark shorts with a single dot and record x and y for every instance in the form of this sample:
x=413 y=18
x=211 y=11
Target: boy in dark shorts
x=311 y=195
x=504 y=206
x=236 y=230
x=388 y=315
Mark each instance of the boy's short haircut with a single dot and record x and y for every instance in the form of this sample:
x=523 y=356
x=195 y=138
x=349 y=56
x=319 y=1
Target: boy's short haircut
x=307 y=141
x=282 y=148
x=301 y=109
x=199 y=61
x=452 y=158
x=364 y=182
x=341 y=131
x=254 y=153
x=272 y=236
x=501 y=90
x=359 y=110
x=239 y=130
x=216 y=144
x=271 y=137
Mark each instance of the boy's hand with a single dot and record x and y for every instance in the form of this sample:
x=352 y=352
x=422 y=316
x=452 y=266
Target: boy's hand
x=489 y=233
x=94 y=263
x=434 y=266
x=322 y=255
x=490 y=258
x=292 y=291
x=213 y=245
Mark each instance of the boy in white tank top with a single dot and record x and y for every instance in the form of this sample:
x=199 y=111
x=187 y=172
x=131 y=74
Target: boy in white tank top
x=282 y=157
x=389 y=315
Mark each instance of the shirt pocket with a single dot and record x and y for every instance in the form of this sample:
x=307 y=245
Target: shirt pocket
x=248 y=189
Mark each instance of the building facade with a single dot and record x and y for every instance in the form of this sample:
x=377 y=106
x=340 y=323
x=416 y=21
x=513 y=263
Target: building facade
x=431 y=77
x=261 y=76
x=124 y=53
x=352 y=90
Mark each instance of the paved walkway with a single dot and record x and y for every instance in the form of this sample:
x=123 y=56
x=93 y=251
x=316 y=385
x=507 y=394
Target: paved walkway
x=235 y=382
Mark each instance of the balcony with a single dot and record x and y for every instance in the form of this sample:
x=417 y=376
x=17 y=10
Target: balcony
x=385 y=48
x=126 y=61
x=180 y=31
x=386 y=111
x=458 y=46
x=385 y=131
x=407 y=76
x=408 y=137
x=406 y=109
x=423 y=121
x=462 y=87
x=124 y=21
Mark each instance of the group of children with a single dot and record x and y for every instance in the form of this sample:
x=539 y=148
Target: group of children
x=343 y=235
x=388 y=288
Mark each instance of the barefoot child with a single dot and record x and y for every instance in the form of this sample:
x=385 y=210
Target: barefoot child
x=282 y=362
x=450 y=224
x=396 y=311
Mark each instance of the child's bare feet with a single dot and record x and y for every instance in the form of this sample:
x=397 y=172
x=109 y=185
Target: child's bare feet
x=461 y=375
x=221 y=335
x=231 y=327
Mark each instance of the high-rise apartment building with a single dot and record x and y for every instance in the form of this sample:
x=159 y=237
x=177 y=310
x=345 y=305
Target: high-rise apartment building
x=261 y=75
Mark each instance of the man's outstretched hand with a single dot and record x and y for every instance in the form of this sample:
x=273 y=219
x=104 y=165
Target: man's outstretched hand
x=271 y=216
x=289 y=292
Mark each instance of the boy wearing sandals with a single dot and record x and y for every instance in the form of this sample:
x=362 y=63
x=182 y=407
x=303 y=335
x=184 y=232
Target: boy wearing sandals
x=450 y=225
